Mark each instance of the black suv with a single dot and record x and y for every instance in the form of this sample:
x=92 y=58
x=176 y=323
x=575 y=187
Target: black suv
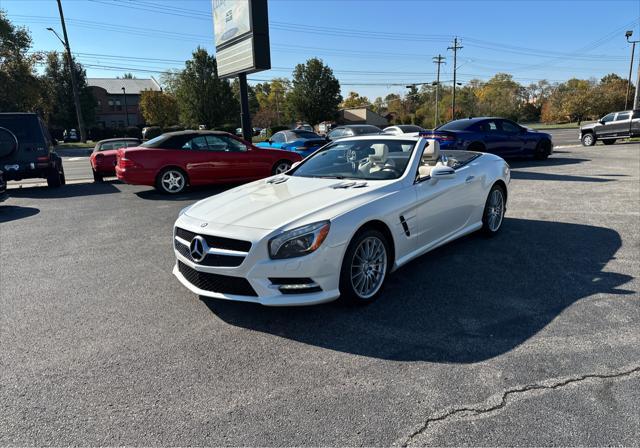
x=3 y=187
x=612 y=126
x=26 y=149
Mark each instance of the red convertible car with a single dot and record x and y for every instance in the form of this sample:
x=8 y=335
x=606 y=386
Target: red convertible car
x=175 y=160
x=103 y=157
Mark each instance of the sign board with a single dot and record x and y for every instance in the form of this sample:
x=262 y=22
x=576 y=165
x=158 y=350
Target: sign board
x=241 y=32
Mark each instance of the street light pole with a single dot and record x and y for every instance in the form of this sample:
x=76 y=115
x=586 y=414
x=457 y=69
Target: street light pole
x=74 y=85
x=126 y=110
x=633 y=43
x=437 y=60
x=455 y=49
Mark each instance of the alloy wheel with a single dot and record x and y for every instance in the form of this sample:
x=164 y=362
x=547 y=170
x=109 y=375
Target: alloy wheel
x=172 y=181
x=282 y=167
x=368 y=267
x=495 y=210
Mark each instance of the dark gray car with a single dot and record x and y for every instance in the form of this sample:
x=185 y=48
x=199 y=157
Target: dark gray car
x=613 y=126
x=353 y=130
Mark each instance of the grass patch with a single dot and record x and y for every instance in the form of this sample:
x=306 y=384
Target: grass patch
x=573 y=125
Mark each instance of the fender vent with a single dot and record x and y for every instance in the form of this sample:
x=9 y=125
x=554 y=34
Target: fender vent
x=405 y=226
x=277 y=180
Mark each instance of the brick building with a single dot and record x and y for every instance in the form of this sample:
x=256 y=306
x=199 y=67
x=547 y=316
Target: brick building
x=111 y=100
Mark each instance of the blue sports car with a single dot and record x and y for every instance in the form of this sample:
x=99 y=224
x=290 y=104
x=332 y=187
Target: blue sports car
x=297 y=140
x=494 y=135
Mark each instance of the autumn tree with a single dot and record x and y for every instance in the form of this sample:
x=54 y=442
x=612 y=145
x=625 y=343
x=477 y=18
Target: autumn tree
x=20 y=88
x=355 y=100
x=315 y=94
x=58 y=105
x=203 y=98
x=159 y=108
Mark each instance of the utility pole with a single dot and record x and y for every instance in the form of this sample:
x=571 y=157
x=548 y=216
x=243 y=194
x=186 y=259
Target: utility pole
x=126 y=110
x=439 y=60
x=277 y=105
x=455 y=49
x=633 y=43
x=636 y=97
x=74 y=85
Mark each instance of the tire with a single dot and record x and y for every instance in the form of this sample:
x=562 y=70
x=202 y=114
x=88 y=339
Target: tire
x=280 y=167
x=478 y=147
x=494 y=209
x=543 y=150
x=171 y=181
x=354 y=288
x=55 y=176
x=609 y=142
x=97 y=177
x=588 y=139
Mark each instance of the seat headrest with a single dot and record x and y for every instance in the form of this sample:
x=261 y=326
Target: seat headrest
x=431 y=151
x=381 y=151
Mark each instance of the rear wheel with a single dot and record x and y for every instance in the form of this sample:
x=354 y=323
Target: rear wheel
x=280 y=167
x=55 y=177
x=97 y=177
x=171 y=181
x=364 y=268
x=609 y=142
x=494 y=211
x=588 y=139
x=543 y=150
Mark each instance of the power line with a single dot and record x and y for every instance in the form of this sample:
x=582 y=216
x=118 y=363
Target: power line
x=455 y=49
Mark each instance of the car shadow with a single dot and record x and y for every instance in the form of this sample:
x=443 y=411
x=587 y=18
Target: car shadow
x=66 y=191
x=13 y=212
x=192 y=193
x=466 y=302
x=551 y=161
x=528 y=175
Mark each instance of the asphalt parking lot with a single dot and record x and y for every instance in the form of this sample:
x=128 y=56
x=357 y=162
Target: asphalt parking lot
x=529 y=338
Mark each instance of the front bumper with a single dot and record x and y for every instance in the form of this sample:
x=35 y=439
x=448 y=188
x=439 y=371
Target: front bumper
x=258 y=270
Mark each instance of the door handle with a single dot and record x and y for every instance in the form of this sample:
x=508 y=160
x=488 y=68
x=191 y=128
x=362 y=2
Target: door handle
x=469 y=179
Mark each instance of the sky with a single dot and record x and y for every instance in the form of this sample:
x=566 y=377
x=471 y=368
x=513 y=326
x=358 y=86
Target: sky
x=375 y=47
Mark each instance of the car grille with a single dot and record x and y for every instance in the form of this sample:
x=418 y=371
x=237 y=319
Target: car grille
x=210 y=259
x=216 y=241
x=223 y=284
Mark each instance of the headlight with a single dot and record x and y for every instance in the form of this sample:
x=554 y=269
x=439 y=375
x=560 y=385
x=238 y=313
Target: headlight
x=300 y=241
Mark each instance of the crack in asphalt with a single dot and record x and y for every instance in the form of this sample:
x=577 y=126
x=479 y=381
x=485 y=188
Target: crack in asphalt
x=478 y=410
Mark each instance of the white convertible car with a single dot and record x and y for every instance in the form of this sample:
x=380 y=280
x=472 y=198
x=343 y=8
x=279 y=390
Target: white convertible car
x=337 y=223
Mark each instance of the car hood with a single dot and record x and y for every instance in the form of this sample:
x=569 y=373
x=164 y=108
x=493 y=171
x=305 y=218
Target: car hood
x=588 y=126
x=268 y=204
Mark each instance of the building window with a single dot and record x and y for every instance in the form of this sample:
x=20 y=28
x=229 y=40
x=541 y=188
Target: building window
x=118 y=105
x=111 y=107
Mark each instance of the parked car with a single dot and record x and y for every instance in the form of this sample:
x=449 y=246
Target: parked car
x=3 y=188
x=27 y=149
x=175 y=160
x=494 y=135
x=103 y=157
x=339 y=222
x=305 y=127
x=403 y=129
x=613 y=126
x=297 y=140
x=70 y=135
x=352 y=130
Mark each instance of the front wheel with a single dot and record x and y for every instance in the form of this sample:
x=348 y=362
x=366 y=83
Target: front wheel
x=281 y=167
x=171 y=181
x=609 y=142
x=588 y=139
x=364 y=268
x=494 y=210
x=543 y=150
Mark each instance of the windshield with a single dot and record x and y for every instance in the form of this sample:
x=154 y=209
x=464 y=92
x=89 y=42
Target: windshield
x=371 y=159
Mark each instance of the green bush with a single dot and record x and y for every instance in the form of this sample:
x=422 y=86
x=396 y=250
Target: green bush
x=174 y=128
x=133 y=131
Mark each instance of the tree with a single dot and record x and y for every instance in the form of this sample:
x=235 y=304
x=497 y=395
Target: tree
x=159 y=108
x=272 y=98
x=19 y=85
x=58 y=105
x=253 y=101
x=355 y=100
x=128 y=76
x=502 y=96
x=611 y=93
x=203 y=98
x=315 y=95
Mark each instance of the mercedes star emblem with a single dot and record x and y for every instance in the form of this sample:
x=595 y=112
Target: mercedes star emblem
x=198 y=248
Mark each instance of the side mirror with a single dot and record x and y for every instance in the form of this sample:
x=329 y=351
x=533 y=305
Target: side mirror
x=441 y=172
x=600 y=122
x=270 y=141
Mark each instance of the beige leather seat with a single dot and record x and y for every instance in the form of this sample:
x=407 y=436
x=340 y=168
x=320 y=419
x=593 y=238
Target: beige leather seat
x=430 y=158
x=378 y=160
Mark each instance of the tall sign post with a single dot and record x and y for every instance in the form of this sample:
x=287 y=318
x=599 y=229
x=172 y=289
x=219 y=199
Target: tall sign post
x=241 y=33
